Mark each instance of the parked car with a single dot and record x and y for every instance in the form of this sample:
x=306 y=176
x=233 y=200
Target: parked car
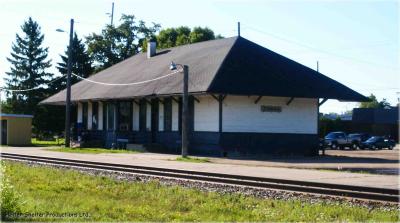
x=378 y=142
x=339 y=140
x=357 y=139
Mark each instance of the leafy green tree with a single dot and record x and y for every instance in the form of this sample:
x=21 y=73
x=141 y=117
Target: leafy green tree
x=81 y=64
x=182 y=35
x=374 y=103
x=199 y=34
x=171 y=37
x=117 y=43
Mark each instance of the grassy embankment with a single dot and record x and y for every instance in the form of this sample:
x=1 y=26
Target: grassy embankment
x=56 y=146
x=90 y=150
x=192 y=159
x=44 y=143
x=46 y=190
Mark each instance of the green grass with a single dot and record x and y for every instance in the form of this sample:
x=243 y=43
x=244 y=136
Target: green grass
x=192 y=159
x=90 y=150
x=47 y=190
x=44 y=143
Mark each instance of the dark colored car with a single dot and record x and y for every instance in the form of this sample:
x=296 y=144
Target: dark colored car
x=357 y=138
x=378 y=142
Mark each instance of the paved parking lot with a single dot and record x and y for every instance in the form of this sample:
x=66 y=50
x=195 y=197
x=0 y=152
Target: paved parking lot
x=372 y=161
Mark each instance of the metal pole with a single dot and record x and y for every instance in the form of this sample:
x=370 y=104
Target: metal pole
x=238 y=28
x=185 y=111
x=68 y=99
x=112 y=13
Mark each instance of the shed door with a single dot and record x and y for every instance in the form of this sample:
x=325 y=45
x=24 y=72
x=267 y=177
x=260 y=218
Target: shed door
x=3 y=138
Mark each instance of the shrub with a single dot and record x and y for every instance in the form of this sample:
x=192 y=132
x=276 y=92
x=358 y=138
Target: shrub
x=10 y=200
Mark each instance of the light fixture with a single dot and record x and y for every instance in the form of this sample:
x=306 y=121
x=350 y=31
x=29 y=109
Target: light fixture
x=60 y=30
x=172 y=66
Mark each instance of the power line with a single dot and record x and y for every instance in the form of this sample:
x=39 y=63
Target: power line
x=30 y=89
x=126 y=84
x=313 y=48
x=380 y=89
x=95 y=82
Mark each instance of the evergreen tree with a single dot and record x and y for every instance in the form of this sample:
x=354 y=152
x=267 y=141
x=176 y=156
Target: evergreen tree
x=81 y=64
x=28 y=71
x=28 y=68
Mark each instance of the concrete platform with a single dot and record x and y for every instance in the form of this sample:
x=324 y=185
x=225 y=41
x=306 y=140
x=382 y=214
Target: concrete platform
x=167 y=161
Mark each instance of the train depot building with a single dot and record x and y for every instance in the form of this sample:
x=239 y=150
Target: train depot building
x=243 y=99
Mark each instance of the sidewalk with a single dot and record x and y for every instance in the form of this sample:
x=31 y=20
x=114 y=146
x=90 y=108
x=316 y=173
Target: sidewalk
x=165 y=161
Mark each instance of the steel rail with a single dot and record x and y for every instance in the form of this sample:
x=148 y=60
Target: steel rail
x=349 y=191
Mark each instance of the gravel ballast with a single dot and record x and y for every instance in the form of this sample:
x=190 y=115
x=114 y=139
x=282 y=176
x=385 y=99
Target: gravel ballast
x=224 y=188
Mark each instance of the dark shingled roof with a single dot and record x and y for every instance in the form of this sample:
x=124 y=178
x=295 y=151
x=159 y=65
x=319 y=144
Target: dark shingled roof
x=230 y=66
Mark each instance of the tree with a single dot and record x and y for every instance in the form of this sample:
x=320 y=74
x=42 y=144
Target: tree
x=374 y=103
x=199 y=34
x=171 y=37
x=117 y=43
x=80 y=61
x=182 y=35
x=28 y=70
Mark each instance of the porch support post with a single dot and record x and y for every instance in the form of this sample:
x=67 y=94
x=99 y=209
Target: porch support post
x=290 y=101
x=80 y=113
x=174 y=99
x=220 y=100
x=90 y=115
x=257 y=100
x=100 y=118
x=318 y=124
x=196 y=99
x=322 y=102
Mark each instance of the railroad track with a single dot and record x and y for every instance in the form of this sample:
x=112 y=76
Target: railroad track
x=348 y=191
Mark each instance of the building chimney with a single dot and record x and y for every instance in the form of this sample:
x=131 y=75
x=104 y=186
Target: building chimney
x=151 y=49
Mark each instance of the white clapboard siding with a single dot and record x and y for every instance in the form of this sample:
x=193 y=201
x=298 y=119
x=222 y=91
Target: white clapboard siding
x=175 y=116
x=148 y=117
x=241 y=114
x=135 y=117
x=160 y=116
x=206 y=114
x=100 y=118
x=80 y=113
x=90 y=115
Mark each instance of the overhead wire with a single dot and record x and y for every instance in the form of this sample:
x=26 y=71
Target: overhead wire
x=127 y=84
x=95 y=82
x=313 y=48
x=30 y=89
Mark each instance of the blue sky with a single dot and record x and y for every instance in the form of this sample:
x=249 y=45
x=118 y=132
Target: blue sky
x=355 y=42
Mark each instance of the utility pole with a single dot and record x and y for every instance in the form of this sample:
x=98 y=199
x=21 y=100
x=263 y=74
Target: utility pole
x=238 y=24
x=68 y=97
x=317 y=66
x=112 y=13
x=185 y=111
